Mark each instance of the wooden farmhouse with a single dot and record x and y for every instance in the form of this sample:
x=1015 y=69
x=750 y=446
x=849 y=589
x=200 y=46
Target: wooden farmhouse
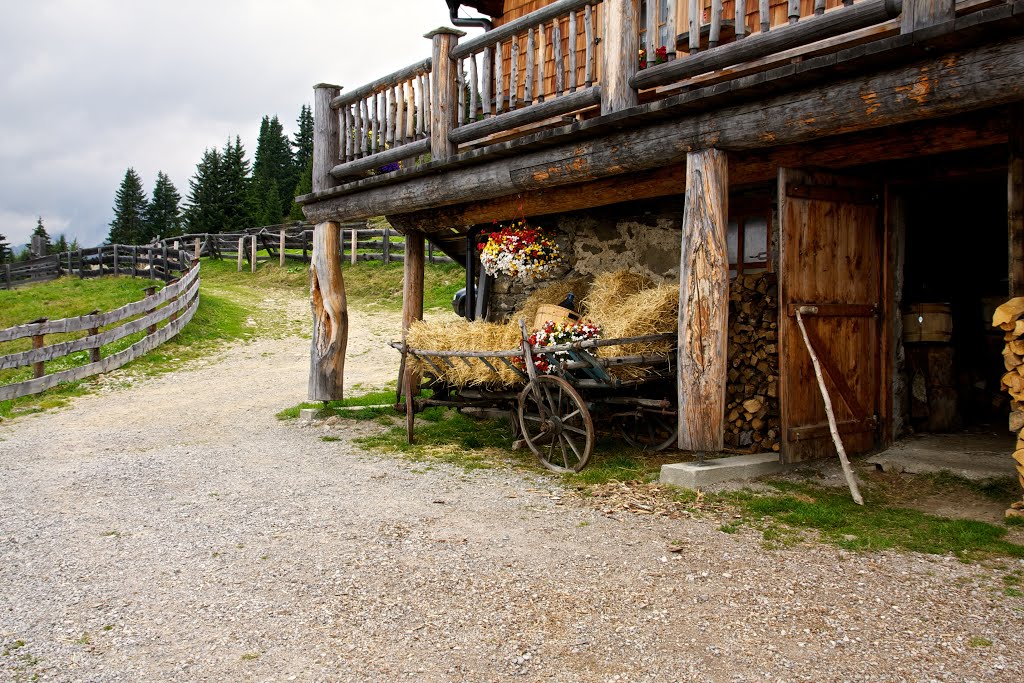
x=854 y=165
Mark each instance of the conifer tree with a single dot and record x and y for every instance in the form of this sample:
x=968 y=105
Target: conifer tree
x=302 y=141
x=40 y=231
x=60 y=246
x=163 y=213
x=205 y=210
x=234 y=184
x=129 y=224
x=305 y=186
x=273 y=162
x=5 y=250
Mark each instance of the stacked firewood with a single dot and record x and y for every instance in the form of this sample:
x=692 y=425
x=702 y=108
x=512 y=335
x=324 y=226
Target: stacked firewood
x=1010 y=319
x=752 y=393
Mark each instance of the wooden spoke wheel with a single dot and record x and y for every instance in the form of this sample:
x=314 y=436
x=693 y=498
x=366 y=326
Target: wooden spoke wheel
x=650 y=432
x=556 y=424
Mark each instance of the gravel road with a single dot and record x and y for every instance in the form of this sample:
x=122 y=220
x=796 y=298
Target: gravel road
x=176 y=531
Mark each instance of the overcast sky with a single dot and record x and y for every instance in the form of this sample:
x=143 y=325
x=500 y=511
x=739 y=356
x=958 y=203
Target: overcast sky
x=91 y=87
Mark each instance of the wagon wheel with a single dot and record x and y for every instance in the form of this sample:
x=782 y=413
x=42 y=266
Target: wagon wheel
x=556 y=424
x=650 y=432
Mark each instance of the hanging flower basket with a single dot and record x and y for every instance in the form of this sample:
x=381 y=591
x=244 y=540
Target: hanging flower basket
x=520 y=251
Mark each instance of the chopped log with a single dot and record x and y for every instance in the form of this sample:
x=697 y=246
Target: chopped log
x=330 y=315
x=1015 y=203
x=703 y=302
x=1008 y=313
x=1016 y=422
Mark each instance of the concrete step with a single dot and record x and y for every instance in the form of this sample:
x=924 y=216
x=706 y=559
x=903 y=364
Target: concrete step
x=692 y=475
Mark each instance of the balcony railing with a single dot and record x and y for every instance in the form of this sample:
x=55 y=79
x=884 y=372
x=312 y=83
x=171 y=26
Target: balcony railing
x=569 y=61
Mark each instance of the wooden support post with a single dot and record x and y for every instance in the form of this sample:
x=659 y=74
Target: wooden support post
x=387 y=245
x=326 y=138
x=38 y=368
x=152 y=269
x=241 y=252
x=619 y=54
x=198 y=251
x=444 y=96
x=117 y=261
x=94 y=352
x=150 y=291
x=330 y=315
x=703 y=302
x=412 y=295
x=252 y=252
x=355 y=246
x=281 y=249
x=7 y=275
x=1015 y=201
x=135 y=261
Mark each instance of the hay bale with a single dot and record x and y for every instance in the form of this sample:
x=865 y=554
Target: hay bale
x=653 y=310
x=609 y=291
x=463 y=335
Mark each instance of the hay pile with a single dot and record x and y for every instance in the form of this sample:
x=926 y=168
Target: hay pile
x=623 y=304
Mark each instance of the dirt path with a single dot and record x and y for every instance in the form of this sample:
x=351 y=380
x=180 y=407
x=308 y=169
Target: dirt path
x=176 y=531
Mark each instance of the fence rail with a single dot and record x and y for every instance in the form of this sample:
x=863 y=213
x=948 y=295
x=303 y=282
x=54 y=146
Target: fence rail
x=176 y=303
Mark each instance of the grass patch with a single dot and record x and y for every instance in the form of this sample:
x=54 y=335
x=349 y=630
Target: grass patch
x=612 y=463
x=874 y=526
x=376 y=284
x=371 y=401
x=978 y=641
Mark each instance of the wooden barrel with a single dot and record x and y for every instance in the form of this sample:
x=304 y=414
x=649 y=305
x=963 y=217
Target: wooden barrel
x=928 y=323
x=546 y=312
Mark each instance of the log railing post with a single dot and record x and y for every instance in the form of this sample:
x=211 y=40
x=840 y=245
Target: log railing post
x=252 y=251
x=621 y=47
x=444 y=92
x=330 y=315
x=326 y=139
x=281 y=249
x=922 y=14
x=703 y=303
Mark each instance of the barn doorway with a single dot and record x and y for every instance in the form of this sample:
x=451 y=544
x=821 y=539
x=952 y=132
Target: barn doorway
x=955 y=273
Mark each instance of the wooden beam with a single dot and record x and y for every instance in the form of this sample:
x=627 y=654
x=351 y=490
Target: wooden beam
x=909 y=141
x=1015 y=200
x=987 y=76
x=703 y=302
x=330 y=315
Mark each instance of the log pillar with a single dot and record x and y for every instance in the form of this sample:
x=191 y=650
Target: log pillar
x=444 y=92
x=412 y=294
x=620 y=55
x=703 y=302
x=330 y=315
x=326 y=136
x=1015 y=201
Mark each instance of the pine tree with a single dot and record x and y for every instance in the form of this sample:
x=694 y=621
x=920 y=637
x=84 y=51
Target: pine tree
x=265 y=203
x=303 y=138
x=273 y=162
x=60 y=246
x=305 y=186
x=163 y=213
x=40 y=231
x=205 y=210
x=129 y=224
x=234 y=183
x=5 y=250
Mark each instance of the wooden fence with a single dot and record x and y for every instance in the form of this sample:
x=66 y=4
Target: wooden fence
x=28 y=272
x=176 y=303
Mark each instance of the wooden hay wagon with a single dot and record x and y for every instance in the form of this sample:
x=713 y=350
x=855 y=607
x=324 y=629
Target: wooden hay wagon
x=555 y=412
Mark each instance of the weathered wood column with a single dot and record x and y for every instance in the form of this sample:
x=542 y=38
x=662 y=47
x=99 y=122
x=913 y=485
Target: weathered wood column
x=703 y=302
x=330 y=315
x=620 y=55
x=923 y=14
x=326 y=136
x=412 y=294
x=444 y=92
x=1015 y=201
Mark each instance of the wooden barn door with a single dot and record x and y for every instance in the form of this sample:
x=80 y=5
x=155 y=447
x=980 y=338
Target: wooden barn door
x=831 y=265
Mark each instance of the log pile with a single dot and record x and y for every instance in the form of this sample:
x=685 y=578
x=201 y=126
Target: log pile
x=752 y=421
x=1009 y=317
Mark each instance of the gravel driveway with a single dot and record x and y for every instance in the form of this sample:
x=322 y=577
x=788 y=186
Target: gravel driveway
x=175 y=531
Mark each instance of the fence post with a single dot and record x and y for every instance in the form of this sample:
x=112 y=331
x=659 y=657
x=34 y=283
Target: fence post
x=163 y=256
x=135 y=261
x=387 y=245
x=281 y=249
x=37 y=343
x=198 y=250
x=304 y=247
x=241 y=252
x=430 y=252
x=94 y=352
x=355 y=246
x=252 y=250
x=150 y=291
x=7 y=274
x=117 y=262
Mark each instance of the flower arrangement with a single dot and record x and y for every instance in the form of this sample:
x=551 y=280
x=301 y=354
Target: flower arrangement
x=660 y=56
x=554 y=334
x=520 y=251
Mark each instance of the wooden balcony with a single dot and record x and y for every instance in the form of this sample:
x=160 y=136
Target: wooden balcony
x=558 y=97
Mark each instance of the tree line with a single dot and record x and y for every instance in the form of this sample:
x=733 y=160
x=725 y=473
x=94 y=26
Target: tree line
x=227 y=193
x=49 y=246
